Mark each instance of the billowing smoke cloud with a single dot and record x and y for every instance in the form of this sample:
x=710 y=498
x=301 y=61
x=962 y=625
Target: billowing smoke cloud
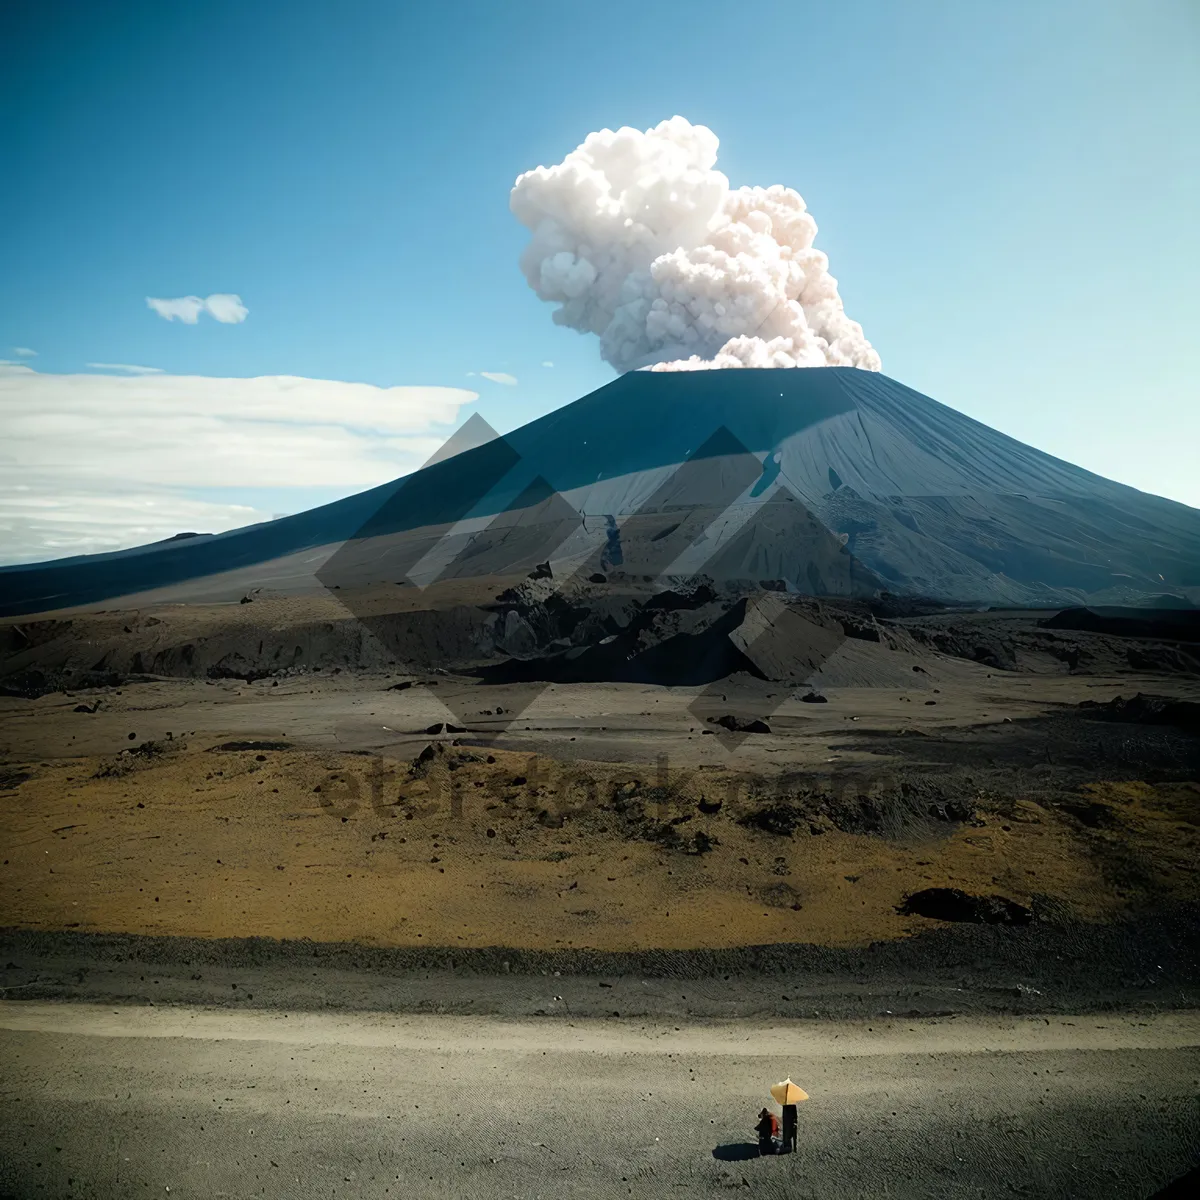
x=640 y=240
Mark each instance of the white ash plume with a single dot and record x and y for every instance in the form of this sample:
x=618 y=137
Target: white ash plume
x=641 y=241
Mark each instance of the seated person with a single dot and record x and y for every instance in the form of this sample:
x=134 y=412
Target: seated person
x=768 y=1132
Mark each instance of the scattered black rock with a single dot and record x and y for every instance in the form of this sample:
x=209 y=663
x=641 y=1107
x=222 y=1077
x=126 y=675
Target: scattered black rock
x=1181 y=624
x=597 y=578
x=1143 y=709
x=952 y=810
x=1067 y=654
x=951 y=904
x=437 y=727
x=741 y=724
x=151 y=749
x=541 y=571
x=651 y=648
x=10 y=780
x=1001 y=658
x=401 y=687
x=779 y=818
x=709 y=808
x=814 y=698
x=893 y=607
x=675 y=601
x=87 y=708
x=862 y=630
x=666 y=834
x=1092 y=814
x=250 y=675
x=29 y=684
x=127 y=760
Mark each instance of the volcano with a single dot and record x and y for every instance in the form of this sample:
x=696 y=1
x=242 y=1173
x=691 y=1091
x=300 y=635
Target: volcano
x=830 y=481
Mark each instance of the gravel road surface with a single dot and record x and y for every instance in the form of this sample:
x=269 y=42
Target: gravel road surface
x=111 y=1101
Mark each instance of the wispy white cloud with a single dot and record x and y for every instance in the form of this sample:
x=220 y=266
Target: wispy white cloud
x=40 y=523
x=222 y=306
x=500 y=377
x=99 y=462
x=128 y=368
x=186 y=309
x=24 y=352
x=227 y=309
x=547 y=363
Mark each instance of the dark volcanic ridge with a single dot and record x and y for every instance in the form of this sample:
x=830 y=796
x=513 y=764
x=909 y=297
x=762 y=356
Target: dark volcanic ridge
x=1150 y=961
x=537 y=631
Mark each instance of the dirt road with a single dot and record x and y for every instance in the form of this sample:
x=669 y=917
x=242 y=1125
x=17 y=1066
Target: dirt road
x=117 y=1102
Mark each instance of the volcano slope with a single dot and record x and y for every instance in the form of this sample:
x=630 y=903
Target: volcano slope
x=838 y=482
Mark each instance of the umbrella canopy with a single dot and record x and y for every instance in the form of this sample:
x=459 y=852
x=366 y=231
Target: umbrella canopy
x=788 y=1092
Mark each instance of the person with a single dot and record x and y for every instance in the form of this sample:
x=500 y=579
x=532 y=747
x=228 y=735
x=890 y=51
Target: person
x=789 y=1128
x=768 y=1132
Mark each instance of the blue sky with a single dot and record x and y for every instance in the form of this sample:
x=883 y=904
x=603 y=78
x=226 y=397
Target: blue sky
x=1007 y=192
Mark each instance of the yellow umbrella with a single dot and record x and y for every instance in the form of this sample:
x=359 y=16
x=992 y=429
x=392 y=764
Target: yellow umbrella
x=788 y=1092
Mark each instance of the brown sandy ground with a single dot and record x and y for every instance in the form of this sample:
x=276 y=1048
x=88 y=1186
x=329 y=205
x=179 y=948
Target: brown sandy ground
x=596 y=815
x=811 y=834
